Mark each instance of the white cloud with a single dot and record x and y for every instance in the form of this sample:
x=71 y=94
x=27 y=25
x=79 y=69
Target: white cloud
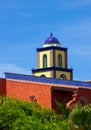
x=12 y=68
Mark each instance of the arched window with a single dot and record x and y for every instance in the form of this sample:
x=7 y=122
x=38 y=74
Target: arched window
x=59 y=60
x=62 y=76
x=43 y=76
x=44 y=61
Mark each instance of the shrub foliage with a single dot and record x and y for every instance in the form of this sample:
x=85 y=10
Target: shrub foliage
x=17 y=114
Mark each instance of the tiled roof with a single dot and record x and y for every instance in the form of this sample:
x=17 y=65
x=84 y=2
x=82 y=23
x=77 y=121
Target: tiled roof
x=51 y=39
x=46 y=80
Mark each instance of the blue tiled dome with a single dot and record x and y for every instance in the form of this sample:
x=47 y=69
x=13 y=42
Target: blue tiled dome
x=51 y=40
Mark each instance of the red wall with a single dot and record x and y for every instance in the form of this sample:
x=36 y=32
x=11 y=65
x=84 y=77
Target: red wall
x=23 y=90
x=42 y=92
x=85 y=94
x=2 y=87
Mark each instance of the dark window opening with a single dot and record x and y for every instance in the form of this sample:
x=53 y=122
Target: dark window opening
x=43 y=76
x=44 y=61
x=62 y=76
x=59 y=60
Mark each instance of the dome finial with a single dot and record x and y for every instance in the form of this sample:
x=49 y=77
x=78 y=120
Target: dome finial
x=51 y=34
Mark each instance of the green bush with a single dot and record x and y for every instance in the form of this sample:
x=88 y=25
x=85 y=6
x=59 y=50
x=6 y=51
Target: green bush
x=61 y=108
x=17 y=114
x=80 y=118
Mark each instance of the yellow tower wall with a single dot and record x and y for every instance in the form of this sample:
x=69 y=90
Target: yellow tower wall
x=67 y=74
x=57 y=52
x=53 y=69
x=40 y=55
x=47 y=74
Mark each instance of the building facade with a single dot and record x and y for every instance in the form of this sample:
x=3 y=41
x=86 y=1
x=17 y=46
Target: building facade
x=51 y=82
x=46 y=91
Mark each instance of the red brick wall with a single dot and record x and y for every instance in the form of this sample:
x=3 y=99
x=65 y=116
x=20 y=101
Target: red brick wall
x=2 y=86
x=42 y=92
x=23 y=90
x=84 y=94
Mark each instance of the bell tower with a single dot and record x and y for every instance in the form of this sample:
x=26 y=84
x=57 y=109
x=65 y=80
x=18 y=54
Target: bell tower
x=52 y=60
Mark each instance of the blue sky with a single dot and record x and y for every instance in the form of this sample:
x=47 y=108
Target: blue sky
x=25 y=25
